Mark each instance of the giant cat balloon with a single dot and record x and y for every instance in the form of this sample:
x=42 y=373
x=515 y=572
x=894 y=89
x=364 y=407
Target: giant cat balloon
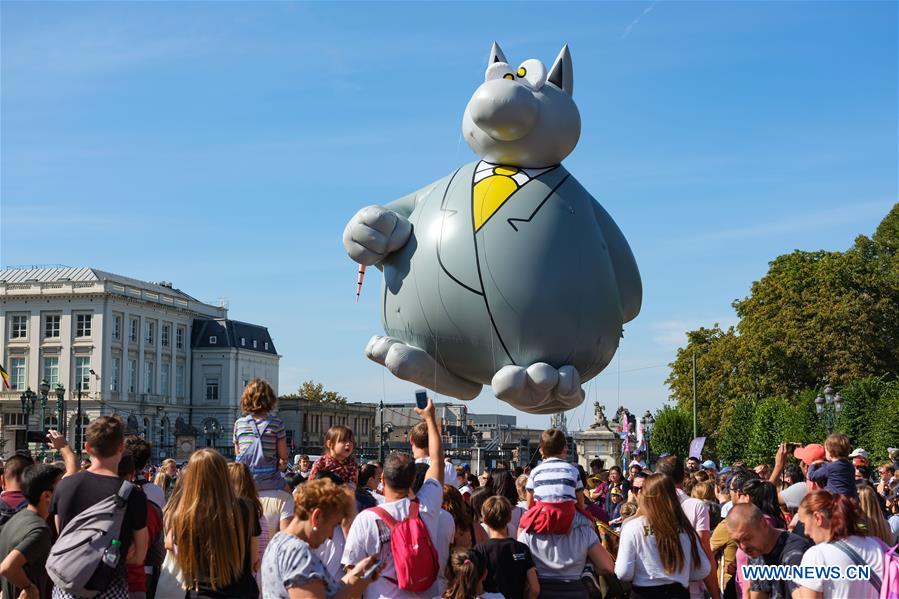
x=506 y=271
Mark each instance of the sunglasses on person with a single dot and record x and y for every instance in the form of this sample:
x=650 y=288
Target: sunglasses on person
x=635 y=490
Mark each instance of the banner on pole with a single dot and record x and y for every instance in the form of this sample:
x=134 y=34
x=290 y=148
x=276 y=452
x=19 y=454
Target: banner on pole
x=696 y=446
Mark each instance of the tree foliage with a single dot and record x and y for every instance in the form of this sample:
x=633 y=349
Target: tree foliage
x=672 y=431
x=815 y=317
x=312 y=391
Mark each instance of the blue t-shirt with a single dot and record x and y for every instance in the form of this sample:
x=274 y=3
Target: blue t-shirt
x=291 y=562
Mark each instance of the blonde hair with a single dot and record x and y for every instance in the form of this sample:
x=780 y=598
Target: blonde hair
x=521 y=484
x=204 y=516
x=322 y=494
x=874 y=521
x=704 y=490
x=159 y=479
x=258 y=396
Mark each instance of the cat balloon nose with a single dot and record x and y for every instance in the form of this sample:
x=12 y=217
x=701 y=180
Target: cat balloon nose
x=504 y=110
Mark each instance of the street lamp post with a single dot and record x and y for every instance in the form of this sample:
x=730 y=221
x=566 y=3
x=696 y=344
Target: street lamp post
x=648 y=422
x=79 y=431
x=27 y=398
x=44 y=391
x=211 y=430
x=381 y=432
x=61 y=409
x=828 y=406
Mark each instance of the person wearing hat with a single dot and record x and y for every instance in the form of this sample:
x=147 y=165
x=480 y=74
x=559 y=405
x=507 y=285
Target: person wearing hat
x=617 y=500
x=710 y=465
x=807 y=455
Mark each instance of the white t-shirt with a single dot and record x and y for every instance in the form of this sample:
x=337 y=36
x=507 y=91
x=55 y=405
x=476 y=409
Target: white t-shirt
x=554 y=481
x=697 y=513
x=828 y=554
x=277 y=505
x=331 y=551
x=446 y=531
x=894 y=527
x=639 y=561
x=449 y=471
x=370 y=536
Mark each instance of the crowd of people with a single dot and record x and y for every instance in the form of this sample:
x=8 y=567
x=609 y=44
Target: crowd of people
x=418 y=526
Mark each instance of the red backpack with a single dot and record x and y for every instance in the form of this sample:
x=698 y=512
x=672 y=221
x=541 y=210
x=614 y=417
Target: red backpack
x=414 y=556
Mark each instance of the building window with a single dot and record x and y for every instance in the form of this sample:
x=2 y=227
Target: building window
x=51 y=326
x=51 y=370
x=83 y=372
x=132 y=376
x=179 y=338
x=149 y=376
x=212 y=389
x=254 y=344
x=151 y=331
x=164 y=372
x=243 y=341
x=117 y=327
x=164 y=336
x=179 y=380
x=132 y=330
x=213 y=340
x=83 y=325
x=17 y=374
x=266 y=346
x=18 y=328
x=116 y=365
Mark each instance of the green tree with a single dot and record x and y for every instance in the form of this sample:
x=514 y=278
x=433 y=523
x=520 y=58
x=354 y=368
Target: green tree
x=732 y=440
x=814 y=317
x=672 y=431
x=312 y=391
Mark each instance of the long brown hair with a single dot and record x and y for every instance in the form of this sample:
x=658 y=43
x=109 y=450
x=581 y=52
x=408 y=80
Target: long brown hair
x=244 y=486
x=874 y=521
x=666 y=519
x=458 y=509
x=204 y=518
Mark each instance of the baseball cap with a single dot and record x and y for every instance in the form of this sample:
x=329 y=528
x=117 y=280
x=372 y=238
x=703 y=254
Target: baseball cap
x=709 y=464
x=810 y=453
x=859 y=453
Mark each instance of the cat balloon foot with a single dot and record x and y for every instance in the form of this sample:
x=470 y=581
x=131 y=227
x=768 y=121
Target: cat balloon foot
x=539 y=388
x=417 y=366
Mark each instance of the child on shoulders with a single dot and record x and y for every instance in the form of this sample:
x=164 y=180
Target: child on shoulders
x=260 y=440
x=338 y=459
x=837 y=476
x=555 y=489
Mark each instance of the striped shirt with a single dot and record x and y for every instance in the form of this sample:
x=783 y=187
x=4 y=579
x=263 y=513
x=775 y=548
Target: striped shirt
x=244 y=434
x=554 y=481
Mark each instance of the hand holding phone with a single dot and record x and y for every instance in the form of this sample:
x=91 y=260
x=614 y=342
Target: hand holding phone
x=421 y=398
x=371 y=570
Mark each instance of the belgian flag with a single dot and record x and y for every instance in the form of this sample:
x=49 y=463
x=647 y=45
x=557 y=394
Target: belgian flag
x=5 y=376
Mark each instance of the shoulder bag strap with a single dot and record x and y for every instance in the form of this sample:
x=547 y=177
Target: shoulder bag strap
x=858 y=560
x=389 y=520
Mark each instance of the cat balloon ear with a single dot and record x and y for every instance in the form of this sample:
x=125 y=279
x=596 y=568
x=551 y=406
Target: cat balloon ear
x=496 y=55
x=562 y=73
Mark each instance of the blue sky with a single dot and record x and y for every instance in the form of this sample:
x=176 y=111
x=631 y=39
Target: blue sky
x=223 y=146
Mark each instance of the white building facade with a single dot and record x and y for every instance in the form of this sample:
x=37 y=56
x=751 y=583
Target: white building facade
x=129 y=346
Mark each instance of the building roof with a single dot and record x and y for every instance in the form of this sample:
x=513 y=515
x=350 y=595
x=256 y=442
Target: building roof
x=230 y=333
x=57 y=274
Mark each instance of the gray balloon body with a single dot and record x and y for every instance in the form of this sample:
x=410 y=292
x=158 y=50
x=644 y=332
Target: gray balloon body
x=548 y=278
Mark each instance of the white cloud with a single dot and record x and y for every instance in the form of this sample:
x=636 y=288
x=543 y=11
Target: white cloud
x=671 y=334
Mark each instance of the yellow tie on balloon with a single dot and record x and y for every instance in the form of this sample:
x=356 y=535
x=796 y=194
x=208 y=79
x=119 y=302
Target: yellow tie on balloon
x=492 y=192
